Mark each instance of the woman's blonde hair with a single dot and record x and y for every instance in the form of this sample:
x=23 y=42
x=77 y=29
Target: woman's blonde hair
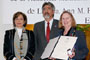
x=73 y=20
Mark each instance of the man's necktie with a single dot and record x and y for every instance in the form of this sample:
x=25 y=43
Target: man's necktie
x=48 y=32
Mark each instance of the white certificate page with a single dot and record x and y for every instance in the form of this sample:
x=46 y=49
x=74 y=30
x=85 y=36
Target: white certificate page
x=48 y=50
x=64 y=43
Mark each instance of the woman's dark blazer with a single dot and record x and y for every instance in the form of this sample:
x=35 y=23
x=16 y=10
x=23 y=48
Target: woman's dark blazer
x=81 y=49
x=9 y=45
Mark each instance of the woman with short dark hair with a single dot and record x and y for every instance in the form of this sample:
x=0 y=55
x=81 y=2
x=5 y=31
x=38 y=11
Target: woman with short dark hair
x=19 y=42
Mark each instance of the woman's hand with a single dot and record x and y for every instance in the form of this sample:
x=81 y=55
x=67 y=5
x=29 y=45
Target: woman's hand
x=51 y=58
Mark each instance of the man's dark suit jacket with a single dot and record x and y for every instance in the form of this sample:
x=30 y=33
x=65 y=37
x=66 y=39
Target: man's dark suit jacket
x=40 y=38
x=9 y=45
x=81 y=49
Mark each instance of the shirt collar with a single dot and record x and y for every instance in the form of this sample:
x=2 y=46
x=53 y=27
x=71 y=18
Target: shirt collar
x=51 y=21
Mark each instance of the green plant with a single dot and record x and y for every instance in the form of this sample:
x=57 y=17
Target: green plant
x=83 y=28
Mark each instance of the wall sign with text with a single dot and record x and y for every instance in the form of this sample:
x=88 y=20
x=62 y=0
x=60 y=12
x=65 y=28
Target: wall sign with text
x=33 y=9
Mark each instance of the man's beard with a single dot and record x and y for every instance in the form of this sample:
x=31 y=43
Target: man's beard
x=46 y=16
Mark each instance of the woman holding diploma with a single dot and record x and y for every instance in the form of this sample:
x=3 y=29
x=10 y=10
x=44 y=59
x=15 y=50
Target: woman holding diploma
x=67 y=25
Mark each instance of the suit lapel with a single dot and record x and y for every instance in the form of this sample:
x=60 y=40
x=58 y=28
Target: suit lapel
x=12 y=33
x=43 y=30
x=54 y=26
x=29 y=39
x=71 y=32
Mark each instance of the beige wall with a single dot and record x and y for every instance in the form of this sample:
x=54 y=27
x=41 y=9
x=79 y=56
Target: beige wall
x=1 y=34
x=88 y=43
x=3 y=27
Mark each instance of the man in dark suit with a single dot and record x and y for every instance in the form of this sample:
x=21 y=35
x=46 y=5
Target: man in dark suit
x=45 y=30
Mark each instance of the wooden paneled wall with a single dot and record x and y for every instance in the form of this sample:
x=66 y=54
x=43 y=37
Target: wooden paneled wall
x=30 y=26
x=87 y=33
x=88 y=43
